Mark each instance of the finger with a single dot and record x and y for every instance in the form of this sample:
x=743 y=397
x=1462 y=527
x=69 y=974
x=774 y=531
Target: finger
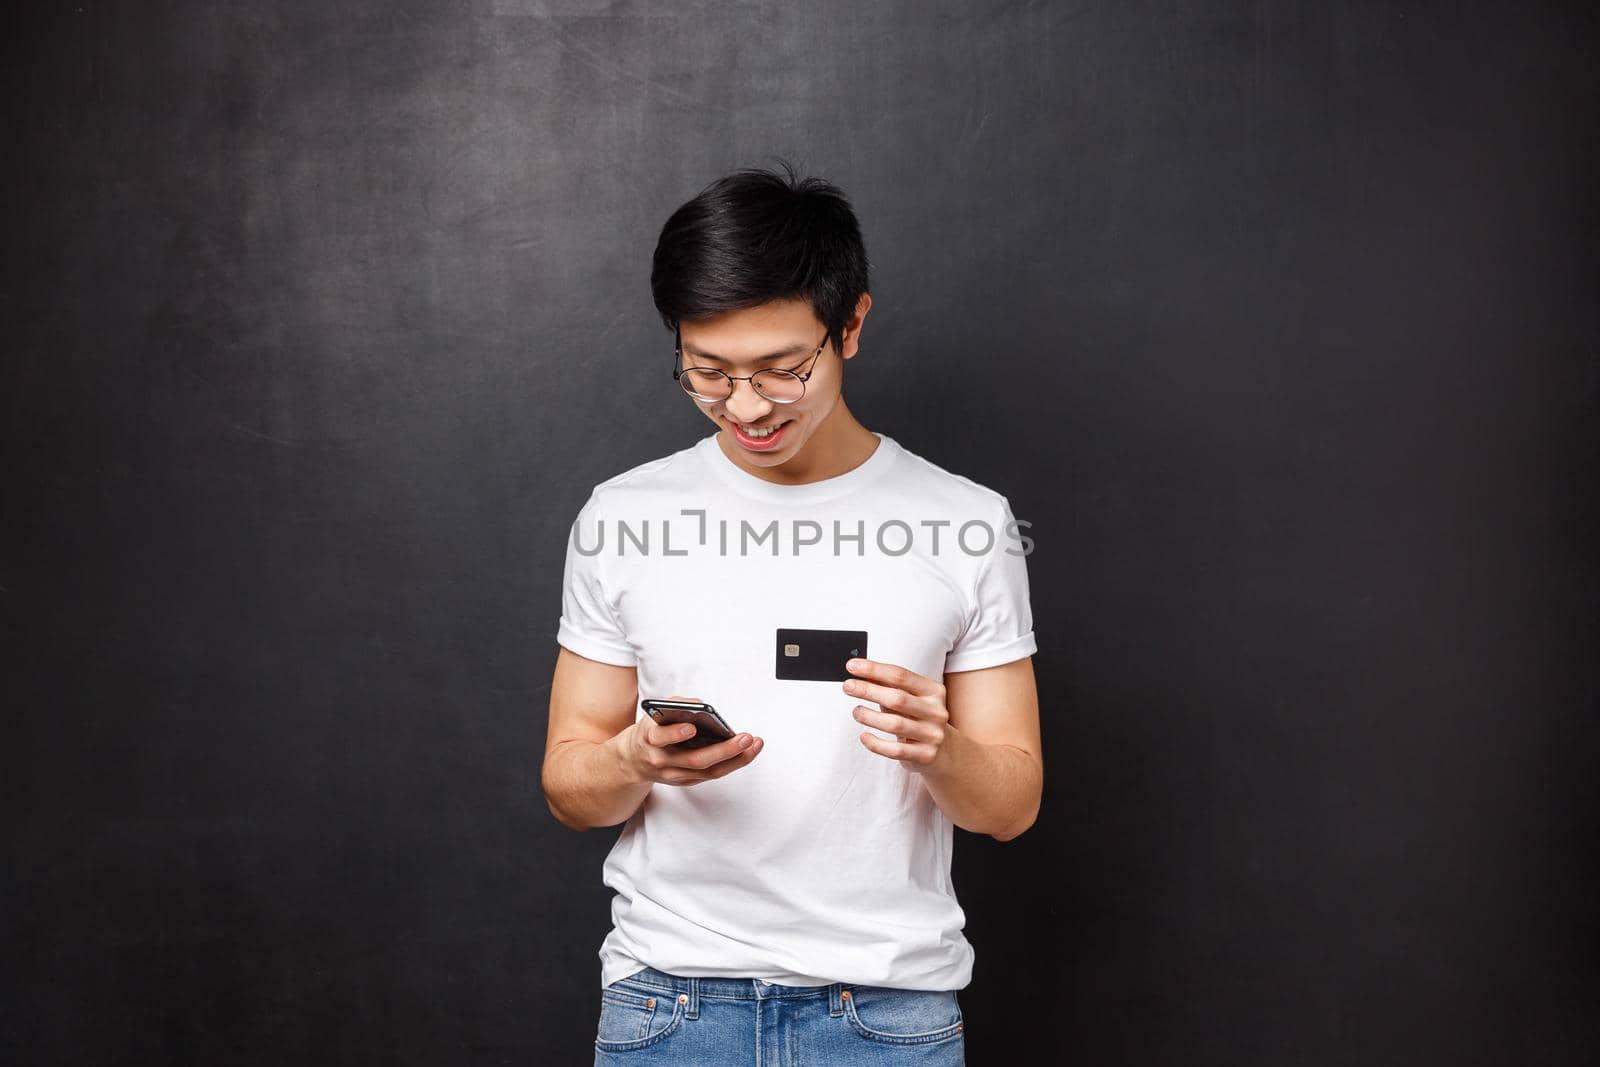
x=701 y=758
x=668 y=734
x=894 y=676
x=679 y=774
x=914 y=752
x=900 y=725
x=730 y=765
x=887 y=696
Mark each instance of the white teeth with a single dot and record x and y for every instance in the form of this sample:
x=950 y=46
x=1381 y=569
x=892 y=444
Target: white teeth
x=749 y=432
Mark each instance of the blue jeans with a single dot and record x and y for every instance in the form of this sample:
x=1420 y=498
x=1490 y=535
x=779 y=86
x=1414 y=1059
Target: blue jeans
x=656 y=1017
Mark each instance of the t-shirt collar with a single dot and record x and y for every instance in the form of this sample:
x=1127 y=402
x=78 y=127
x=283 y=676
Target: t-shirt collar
x=743 y=482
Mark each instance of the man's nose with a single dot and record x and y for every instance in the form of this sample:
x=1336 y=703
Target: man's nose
x=745 y=404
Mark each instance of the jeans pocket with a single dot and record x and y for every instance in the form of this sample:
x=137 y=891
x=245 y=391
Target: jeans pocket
x=635 y=1017
x=903 y=1016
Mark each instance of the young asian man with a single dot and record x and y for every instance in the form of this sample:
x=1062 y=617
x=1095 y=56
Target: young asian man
x=784 y=895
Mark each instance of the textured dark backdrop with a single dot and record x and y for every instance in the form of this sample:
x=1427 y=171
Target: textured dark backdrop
x=1277 y=321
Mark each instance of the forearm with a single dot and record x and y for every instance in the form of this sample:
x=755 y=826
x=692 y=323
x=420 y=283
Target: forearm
x=587 y=785
x=985 y=789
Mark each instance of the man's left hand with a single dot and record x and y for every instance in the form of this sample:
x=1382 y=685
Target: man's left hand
x=913 y=709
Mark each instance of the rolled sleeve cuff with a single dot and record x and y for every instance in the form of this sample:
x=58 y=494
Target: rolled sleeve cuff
x=978 y=658
x=590 y=648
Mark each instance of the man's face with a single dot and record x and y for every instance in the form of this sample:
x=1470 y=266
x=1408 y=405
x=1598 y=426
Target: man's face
x=735 y=342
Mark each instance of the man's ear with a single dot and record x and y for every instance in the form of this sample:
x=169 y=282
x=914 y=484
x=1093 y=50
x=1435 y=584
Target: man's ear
x=852 y=328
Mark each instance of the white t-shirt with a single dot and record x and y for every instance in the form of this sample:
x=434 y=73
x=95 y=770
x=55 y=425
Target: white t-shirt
x=821 y=861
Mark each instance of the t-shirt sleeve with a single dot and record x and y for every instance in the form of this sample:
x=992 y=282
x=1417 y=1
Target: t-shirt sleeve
x=1000 y=626
x=589 y=625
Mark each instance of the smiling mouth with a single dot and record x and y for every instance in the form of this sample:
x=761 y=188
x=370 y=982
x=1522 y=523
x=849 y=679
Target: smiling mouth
x=765 y=441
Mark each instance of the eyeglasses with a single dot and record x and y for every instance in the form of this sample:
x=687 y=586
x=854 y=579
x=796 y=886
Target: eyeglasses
x=707 y=383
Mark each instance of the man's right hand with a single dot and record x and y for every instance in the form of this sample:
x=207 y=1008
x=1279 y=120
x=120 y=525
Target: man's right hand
x=647 y=757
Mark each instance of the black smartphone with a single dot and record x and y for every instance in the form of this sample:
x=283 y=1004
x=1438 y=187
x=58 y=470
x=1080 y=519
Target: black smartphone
x=818 y=655
x=710 y=727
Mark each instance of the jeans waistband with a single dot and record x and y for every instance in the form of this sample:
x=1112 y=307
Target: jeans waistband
x=731 y=988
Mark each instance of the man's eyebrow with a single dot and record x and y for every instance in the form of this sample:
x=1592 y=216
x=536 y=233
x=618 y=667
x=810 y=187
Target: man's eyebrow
x=792 y=350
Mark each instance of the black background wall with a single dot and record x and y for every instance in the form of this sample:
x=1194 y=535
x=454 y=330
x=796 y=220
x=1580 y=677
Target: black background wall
x=1277 y=321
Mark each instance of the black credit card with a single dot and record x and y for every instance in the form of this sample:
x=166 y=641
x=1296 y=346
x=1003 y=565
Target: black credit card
x=818 y=655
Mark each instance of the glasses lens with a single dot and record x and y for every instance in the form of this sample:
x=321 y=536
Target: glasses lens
x=779 y=385
x=704 y=384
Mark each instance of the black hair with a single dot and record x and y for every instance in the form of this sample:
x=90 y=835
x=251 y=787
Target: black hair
x=754 y=236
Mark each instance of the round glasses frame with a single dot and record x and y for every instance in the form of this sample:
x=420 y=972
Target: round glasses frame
x=683 y=378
